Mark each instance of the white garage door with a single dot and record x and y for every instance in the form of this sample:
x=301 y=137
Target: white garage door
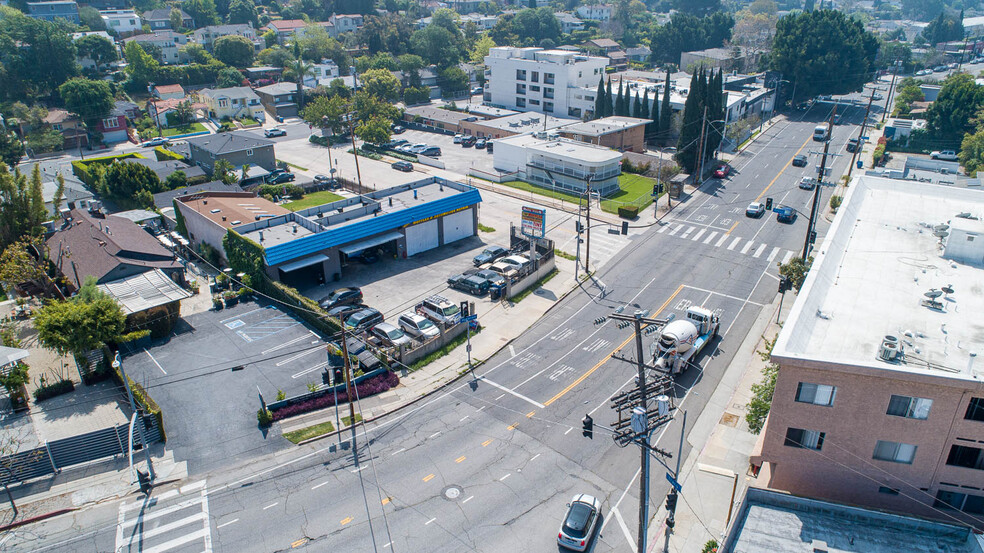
x=458 y=225
x=421 y=238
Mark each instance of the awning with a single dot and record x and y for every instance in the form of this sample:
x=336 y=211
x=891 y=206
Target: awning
x=144 y=291
x=357 y=247
x=303 y=262
x=9 y=356
x=166 y=241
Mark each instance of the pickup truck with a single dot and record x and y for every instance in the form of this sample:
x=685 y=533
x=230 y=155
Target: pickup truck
x=945 y=155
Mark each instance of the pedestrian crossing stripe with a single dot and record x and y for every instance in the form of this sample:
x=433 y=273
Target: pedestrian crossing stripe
x=710 y=237
x=699 y=234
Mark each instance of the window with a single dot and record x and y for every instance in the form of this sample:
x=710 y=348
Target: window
x=548 y=93
x=520 y=74
x=965 y=456
x=223 y=102
x=887 y=490
x=967 y=503
x=895 y=452
x=817 y=394
x=535 y=76
x=111 y=123
x=520 y=88
x=548 y=106
x=249 y=152
x=521 y=102
x=806 y=439
x=548 y=78
x=975 y=409
x=909 y=407
x=534 y=102
x=534 y=88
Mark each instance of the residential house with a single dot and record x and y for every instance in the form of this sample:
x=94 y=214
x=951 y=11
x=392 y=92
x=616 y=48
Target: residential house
x=285 y=28
x=50 y=11
x=323 y=74
x=736 y=58
x=131 y=110
x=160 y=19
x=206 y=36
x=239 y=149
x=121 y=22
x=482 y=22
x=238 y=101
x=596 y=12
x=169 y=91
x=74 y=193
x=164 y=169
x=280 y=99
x=168 y=41
x=618 y=60
x=113 y=127
x=158 y=110
x=638 y=54
x=342 y=23
x=605 y=45
x=165 y=200
x=264 y=75
x=69 y=126
x=568 y=22
x=87 y=62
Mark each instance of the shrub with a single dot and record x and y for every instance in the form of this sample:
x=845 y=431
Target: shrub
x=49 y=391
x=363 y=389
x=628 y=211
x=166 y=155
x=835 y=202
x=264 y=417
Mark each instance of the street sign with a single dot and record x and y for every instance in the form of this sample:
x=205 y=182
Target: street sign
x=534 y=222
x=469 y=318
x=674 y=483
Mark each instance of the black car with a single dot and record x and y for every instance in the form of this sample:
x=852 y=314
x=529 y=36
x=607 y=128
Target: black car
x=480 y=144
x=785 y=214
x=471 y=284
x=326 y=181
x=404 y=166
x=342 y=312
x=281 y=178
x=342 y=296
x=363 y=320
x=494 y=278
x=489 y=255
x=488 y=146
x=799 y=160
x=468 y=141
x=398 y=129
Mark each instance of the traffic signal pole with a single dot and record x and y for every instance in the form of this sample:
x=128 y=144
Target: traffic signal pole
x=816 y=191
x=864 y=123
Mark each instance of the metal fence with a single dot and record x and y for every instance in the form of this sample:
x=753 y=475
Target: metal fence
x=53 y=456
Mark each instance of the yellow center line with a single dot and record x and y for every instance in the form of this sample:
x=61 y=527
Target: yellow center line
x=530 y=414
x=346 y=520
x=512 y=426
x=784 y=167
x=428 y=478
x=732 y=227
x=459 y=459
x=486 y=442
x=298 y=543
x=607 y=357
x=386 y=500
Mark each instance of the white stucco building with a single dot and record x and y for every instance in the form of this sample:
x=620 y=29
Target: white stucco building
x=545 y=159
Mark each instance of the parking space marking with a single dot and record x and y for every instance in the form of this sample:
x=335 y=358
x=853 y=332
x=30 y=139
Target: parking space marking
x=234 y=324
x=297 y=356
x=568 y=430
x=270 y=506
x=429 y=521
x=283 y=345
x=224 y=524
x=462 y=419
x=224 y=321
x=504 y=477
x=470 y=497
x=398 y=451
x=434 y=435
x=321 y=484
x=533 y=458
x=155 y=361
x=508 y=391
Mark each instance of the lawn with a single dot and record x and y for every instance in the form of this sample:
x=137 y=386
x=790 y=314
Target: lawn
x=186 y=129
x=636 y=190
x=543 y=191
x=309 y=432
x=248 y=121
x=313 y=199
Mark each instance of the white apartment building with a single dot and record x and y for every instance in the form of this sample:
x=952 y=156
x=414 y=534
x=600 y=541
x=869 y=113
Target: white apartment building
x=322 y=73
x=598 y=12
x=344 y=23
x=545 y=159
x=121 y=21
x=547 y=81
x=482 y=22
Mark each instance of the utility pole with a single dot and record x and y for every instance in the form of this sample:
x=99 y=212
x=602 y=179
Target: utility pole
x=700 y=148
x=348 y=383
x=816 y=191
x=587 y=228
x=888 y=97
x=864 y=123
x=636 y=418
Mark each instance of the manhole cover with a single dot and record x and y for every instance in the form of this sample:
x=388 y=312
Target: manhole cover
x=452 y=492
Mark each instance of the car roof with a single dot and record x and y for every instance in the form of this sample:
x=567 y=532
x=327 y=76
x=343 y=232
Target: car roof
x=410 y=315
x=386 y=327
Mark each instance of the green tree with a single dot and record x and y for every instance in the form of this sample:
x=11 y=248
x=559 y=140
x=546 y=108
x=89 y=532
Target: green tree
x=98 y=49
x=276 y=56
x=367 y=106
x=762 y=392
x=243 y=11
x=298 y=70
x=91 y=18
x=36 y=56
x=972 y=152
x=176 y=19
x=234 y=50
x=599 y=107
x=20 y=215
x=224 y=171
x=229 y=77
x=124 y=180
x=532 y=26
x=698 y=7
x=950 y=117
x=382 y=84
x=796 y=271
x=141 y=67
x=944 y=28
x=436 y=45
x=375 y=130
x=81 y=324
x=21 y=264
x=196 y=53
x=687 y=32
x=90 y=100
x=317 y=45
x=609 y=100
x=410 y=65
x=184 y=113
x=481 y=49
x=326 y=111
x=823 y=52
x=688 y=144
x=381 y=60
x=176 y=180
x=270 y=38
x=11 y=148
x=203 y=12
x=452 y=80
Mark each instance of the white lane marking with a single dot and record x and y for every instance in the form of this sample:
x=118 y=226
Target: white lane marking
x=735 y=243
x=568 y=430
x=500 y=397
x=470 y=497
x=434 y=435
x=119 y=528
x=687 y=232
x=676 y=230
x=163 y=512
x=387 y=544
x=710 y=237
x=208 y=528
x=360 y=469
x=747 y=247
x=224 y=321
x=311 y=370
x=759 y=250
x=462 y=419
x=193 y=486
x=321 y=484
x=700 y=233
x=270 y=506
x=482 y=407
x=166 y=546
x=721 y=241
x=401 y=450
x=775 y=251
x=504 y=477
x=534 y=457
x=283 y=345
x=155 y=361
x=507 y=390
x=625 y=528
x=224 y=524
x=512 y=351
x=429 y=521
x=297 y=356
x=787 y=257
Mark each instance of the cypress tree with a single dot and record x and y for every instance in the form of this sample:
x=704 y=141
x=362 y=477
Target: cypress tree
x=688 y=143
x=608 y=99
x=637 y=106
x=715 y=112
x=643 y=112
x=665 y=112
x=619 y=100
x=599 y=109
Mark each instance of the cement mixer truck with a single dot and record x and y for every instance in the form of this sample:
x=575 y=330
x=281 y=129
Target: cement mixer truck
x=681 y=341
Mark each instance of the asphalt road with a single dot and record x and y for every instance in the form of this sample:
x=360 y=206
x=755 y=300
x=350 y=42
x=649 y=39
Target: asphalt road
x=489 y=465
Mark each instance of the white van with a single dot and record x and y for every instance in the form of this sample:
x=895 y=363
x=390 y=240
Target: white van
x=821 y=133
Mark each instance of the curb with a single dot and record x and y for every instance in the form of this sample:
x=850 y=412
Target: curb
x=38 y=518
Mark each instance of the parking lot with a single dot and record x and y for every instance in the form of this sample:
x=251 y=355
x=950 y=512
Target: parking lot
x=209 y=409
x=455 y=157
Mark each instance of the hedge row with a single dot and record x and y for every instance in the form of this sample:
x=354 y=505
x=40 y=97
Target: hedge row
x=363 y=390
x=167 y=155
x=140 y=396
x=81 y=168
x=49 y=391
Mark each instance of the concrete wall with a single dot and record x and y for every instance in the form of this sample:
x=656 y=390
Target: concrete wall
x=201 y=229
x=447 y=335
x=546 y=265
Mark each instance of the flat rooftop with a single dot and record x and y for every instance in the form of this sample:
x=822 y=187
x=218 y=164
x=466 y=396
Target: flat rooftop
x=564 y=147
x=885 y=256
x=230 y=209
x=605 y=125
x=526 y=122
x=774 y=522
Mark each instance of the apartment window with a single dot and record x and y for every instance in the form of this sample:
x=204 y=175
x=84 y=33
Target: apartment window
x=535 y=76
x=548 y=78
x=521 y=102
x=806 y=439
x=909 y=407
x=520 y=88
x=548 y=106
x=534 y=102
x=111 y=123
x=520 y=74
x=223 y=103
x=965 y=456
x=534 y=88
x=249 y=152
x=895 y=452
x=817 y=394
x=548 y=93
x=888 y=491
x=973 y=504
x=975 y=410
x=574 y=112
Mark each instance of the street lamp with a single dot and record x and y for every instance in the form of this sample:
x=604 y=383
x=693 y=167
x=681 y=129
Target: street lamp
x=117 y=364
x=703 y=147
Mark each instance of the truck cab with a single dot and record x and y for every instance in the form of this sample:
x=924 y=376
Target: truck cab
x=821 y=133
x=704 y=319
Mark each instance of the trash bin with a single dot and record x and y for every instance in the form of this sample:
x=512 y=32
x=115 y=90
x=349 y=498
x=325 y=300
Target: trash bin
x=860 y=164
x=495 y=293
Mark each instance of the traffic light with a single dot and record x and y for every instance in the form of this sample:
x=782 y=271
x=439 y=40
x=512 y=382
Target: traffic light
x=338 y=376
x=578 y=226
x=464 y=309
x=813 y=237
x=768 y=204
x=784 y=285
x=144 y=479
x=671 y=501
x=625 y=227
x=587 y=427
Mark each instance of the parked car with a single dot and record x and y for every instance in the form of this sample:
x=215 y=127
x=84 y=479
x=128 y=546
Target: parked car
x=417 y=148
x=281 y=178
x=489 y=255
x=418 y=326
x=722 y=171
x=274 y=131
x=477 y=90
x=342 y=312
x=468 y=141
x=799 y=160
x=579 y=523
x=392 y=144
x=785 y=214
x=754 y=210
x=159 y=141
x=390 y=335
x=326 y=181
x=342 y=296
x=852 y=144
x=945 y=155
x=430 y=151
x=363 y=320
x=807 y=183
x=520 y=262
x=837 y=119
x=474 y=285
x=505 y=269
x=939 y=69
x=440 y=310
x=494 y=278
x=404 y=166
x=480 y=144
x=457 y=138
x=398 y=129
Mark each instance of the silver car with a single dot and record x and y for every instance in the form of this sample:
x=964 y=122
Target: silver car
x=579 y=525
x=418 y=326
x=390 y=335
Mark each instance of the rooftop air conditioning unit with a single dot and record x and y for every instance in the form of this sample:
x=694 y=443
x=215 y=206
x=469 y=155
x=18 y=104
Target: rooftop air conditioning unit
x=889 y=349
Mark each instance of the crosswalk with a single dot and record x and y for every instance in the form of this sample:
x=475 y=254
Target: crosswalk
x=176 y=520
x=721 y=239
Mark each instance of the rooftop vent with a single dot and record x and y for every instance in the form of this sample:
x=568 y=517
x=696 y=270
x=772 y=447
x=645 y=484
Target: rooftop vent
x=889 y=349
x=216 y=210
x=237 y=222
x=223 y=217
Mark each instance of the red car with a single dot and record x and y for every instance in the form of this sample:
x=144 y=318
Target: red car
x=722 y=171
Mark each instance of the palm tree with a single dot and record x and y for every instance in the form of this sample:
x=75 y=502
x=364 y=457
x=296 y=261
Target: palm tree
x=297 y=69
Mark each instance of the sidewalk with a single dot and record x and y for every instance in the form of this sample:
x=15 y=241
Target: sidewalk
x=720 y=465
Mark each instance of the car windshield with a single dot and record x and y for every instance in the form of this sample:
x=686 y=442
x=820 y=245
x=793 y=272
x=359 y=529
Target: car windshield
x=578 y=519
x=395 y=334
x=450 y=311
x=424 y=324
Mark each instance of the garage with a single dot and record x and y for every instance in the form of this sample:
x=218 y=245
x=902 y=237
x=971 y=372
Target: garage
x=421 y=237
x=458 y=225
